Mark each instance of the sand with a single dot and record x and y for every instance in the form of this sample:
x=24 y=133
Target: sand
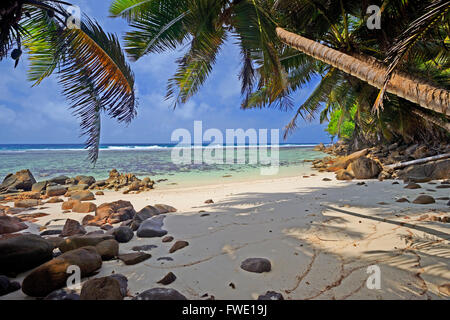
x=320 y=237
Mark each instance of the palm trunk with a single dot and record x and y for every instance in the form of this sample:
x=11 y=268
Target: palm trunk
x=371 y=71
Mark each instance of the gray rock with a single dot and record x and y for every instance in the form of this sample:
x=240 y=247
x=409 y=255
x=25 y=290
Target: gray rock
x=123 y=282
x=152 y=227
x=257 y=265
x=21 y=180
x=63 y=294
x=122 y=234
x=160 y=294
x=39 y=186
x=134 y=258
x=424 y=199
x=55 y=191
x=59 y=179
x=271 y=295
x=146 y=247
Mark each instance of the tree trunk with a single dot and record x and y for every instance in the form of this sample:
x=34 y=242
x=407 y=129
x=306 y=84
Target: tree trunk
x=371 y=71
x=418 y=161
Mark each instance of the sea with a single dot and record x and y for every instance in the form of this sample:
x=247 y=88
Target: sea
x=154 y=160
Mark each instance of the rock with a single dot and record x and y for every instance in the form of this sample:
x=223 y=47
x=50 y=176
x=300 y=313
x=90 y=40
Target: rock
x=168 y=279
x=50 y=232
x=123 y=282
x=343 y=162
x=99 y=193
x=326 y=179
x=82 y=195
x=344 y=175
x=134 y=257
x=146 y=247
x=257 y=265
x=11 y=224
x=71 y=228
x=86 y=219
x=152 y=227
x=106 y=227
x=75 y=242
x=122 y=234
x=167 y=239
x=39 y=186
x=445 y=219
x=445 y=289
x=108 y=249
x=87 y=180
x=78 y=187
x=23 y=252
x=115 y=212
x=160 y=294
x=144 y=214
x=105 y=288
x=21 y=180
x=84 y=207
x=413 y=185
x=209 y=201
x=435 y=170
x=165 y=259
x=68 y=205
x=56 y=191
x=271 y=295
x=55 y=200
x=364 y=168
x=178 y=245
x=59 y=180
x=26 y=203
x=443 y=186
x=424 y=199
x=319 y=147
x=7 y=286
x=63 y=294
x=164 y=208
x=401 y=200
x=53 y=274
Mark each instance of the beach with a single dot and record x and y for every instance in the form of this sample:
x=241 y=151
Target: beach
x=321 y=237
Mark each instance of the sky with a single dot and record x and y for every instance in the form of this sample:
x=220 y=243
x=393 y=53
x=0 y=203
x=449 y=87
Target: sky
x=40 y=114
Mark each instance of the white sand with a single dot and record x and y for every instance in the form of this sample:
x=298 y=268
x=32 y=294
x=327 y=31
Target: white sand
x=316 y=252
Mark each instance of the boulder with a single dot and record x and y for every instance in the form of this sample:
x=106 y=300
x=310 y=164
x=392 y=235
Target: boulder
x=145 y=247
x=77 y=187
x=39 y=186
x=7 y=286
x=71 y=228
x=55 y=200
x=53 y=274
x=160 y=294
x=105 y=288
x=152 y=227
x=412 y=186
x=68 y=205
x=122 y=234
x=86 y=180
x=75 y=242
x=59 y=180
x=257 y=265
x=343 y=162
x=134 y=257
x=82 y=195
x=144 y=214
x=424 y=199
x=167 y=239
x=178 y=245
x=23 y=252
x=84 y=207
x=344 y=175
x=115 y=212
x=11 y=224
x=108 y=249
x=364 y=168
x=123 y=282
x=56 y=191
x=21 y=180
x=26 y=203
x=164 y=208
x=434 y=170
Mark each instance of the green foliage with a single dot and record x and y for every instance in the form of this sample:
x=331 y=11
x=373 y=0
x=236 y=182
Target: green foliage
x=341 y=125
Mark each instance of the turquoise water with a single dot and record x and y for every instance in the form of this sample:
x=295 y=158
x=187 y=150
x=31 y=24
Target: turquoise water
x=155 y=161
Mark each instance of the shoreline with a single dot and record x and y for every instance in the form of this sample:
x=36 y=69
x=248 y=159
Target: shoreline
x=320 y=237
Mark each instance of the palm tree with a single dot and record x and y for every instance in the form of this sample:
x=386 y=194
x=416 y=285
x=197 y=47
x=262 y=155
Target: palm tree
x=88 y=62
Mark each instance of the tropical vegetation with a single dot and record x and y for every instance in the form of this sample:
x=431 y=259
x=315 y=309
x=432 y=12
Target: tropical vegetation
x=88 y=62
x=396 y=77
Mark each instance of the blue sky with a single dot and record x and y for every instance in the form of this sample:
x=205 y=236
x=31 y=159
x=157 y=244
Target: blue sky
x=40 y=114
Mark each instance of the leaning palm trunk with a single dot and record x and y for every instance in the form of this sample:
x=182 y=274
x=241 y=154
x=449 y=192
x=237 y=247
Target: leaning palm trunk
x=371 y=71
x=431 y=119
